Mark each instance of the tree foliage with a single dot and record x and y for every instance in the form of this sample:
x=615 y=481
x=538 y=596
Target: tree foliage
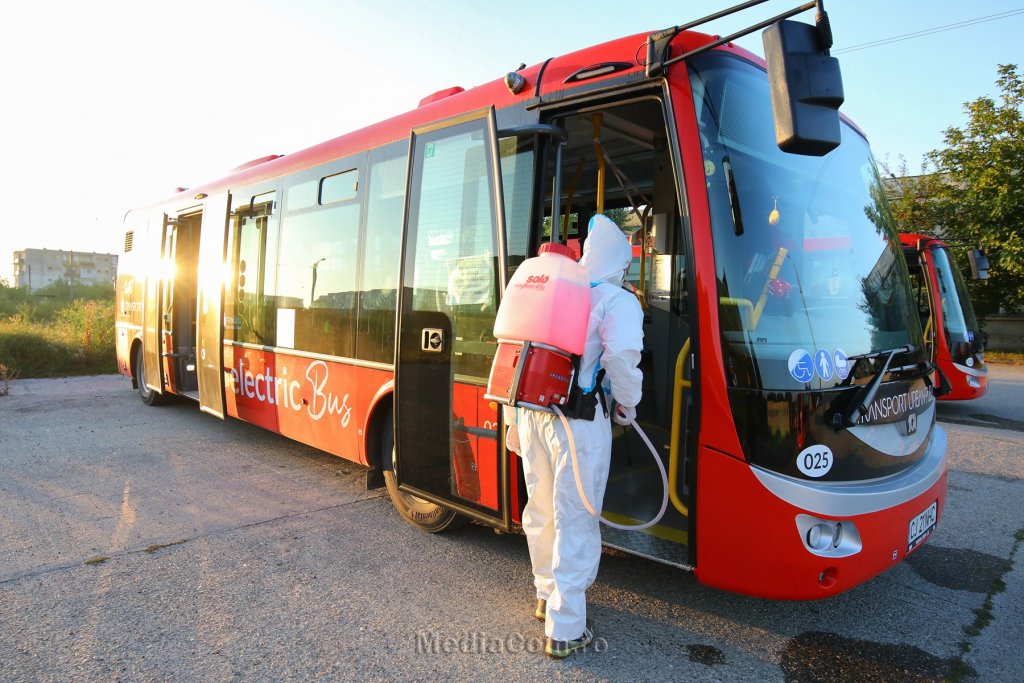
x=978 y=197
x=908 y=197
x=45 y=303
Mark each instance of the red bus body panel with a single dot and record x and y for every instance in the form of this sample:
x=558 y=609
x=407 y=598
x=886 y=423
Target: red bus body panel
x=322 y=404
x=326 y=404
x=736 y=556
x=961 y=390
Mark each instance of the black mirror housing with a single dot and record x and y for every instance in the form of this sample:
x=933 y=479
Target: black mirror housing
x=806 y=87
x=979 y=264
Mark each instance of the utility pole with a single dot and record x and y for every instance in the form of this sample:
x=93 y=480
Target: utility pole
x=312 y=288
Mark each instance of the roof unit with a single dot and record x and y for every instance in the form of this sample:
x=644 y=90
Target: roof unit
x=441 y=94
x=256 y=162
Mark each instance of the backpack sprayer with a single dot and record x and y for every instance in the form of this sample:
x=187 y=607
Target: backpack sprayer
x=541 y=329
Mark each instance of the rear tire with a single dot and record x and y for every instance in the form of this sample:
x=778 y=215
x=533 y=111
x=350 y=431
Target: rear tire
x=418 y=512
x=148 y=396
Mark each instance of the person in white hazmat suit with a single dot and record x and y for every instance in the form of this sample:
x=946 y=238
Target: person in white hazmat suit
x=563 y=537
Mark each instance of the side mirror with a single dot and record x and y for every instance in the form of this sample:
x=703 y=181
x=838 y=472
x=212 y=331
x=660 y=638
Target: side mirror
x=806 y=87
x=979 y=264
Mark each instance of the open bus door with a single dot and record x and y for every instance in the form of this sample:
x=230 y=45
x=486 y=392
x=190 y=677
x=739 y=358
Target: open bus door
x=209 y=316
x=153 y=306
x=447 y=446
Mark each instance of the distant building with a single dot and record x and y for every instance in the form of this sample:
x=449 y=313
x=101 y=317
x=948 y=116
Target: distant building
x=38 y=268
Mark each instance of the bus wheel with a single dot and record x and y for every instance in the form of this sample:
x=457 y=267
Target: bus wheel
x=148 y=396
x=420 y=513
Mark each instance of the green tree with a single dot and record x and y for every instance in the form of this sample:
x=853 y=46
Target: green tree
x=981 y=198
x=908 y=197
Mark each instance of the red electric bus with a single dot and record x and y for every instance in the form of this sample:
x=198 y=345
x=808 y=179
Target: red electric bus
x=950 y=328
x=344 y=296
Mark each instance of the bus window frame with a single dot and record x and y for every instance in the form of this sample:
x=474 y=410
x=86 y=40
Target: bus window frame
x=248 y=193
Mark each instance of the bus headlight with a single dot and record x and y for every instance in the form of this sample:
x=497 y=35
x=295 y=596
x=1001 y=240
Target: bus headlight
x=814 y=537
x=829 y=538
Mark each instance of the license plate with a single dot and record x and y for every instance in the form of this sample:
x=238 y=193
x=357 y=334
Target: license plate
x=921 y=526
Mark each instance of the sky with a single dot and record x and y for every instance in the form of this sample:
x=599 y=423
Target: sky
x=112 y=104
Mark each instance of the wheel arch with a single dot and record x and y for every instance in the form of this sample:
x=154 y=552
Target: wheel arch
x=133 y=355
x=379 y=421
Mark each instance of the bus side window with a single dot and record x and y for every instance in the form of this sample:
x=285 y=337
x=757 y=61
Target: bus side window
x=517 y=169
x=381 y=253
x=317 y=268
x=247 y=318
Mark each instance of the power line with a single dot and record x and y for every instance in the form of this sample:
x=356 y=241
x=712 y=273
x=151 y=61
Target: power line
x=929 y=31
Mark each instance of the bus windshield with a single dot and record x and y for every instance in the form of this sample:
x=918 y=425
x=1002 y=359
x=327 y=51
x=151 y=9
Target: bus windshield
x=809 y=268
x=957 y=312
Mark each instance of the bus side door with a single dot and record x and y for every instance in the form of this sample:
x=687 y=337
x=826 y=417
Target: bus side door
x=209 y=316
x=157 y=285
x=446 y=434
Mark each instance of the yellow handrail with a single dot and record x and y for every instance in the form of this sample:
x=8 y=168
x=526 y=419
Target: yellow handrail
x=677 y=415
x=568 y=203
x=596 y=122
x=772 y=274
x=739 y=303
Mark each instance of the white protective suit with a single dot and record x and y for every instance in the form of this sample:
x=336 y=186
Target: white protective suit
x=564 y=538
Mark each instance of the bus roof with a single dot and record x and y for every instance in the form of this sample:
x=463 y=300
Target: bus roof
x=553 y=72
x=912 y=239
x=623 y=52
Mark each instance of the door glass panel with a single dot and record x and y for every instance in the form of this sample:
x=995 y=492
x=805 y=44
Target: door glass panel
x=454 y=264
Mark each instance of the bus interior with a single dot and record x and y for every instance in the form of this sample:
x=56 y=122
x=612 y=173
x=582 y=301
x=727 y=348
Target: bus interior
x=616 y=161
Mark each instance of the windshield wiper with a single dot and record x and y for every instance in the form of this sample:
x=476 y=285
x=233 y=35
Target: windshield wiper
x=734 y=197
x=866 y=394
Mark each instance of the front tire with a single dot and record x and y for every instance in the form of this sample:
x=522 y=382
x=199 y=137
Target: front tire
x=148 y=396
x=418 y=512
x=421 y=513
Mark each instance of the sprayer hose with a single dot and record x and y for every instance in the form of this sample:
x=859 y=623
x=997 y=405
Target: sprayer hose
x=579 y=484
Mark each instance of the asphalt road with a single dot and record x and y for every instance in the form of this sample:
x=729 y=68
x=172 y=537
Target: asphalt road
x=162 y=544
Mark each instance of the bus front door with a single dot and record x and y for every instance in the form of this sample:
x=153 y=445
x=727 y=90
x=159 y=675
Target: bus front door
x=447 y=449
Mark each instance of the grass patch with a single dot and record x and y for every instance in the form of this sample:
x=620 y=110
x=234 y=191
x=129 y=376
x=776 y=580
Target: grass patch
x=1004 y=357
x=159 y=546
x=78 y=340
x=99 y=559
x=983 y=616
x=7 y=377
